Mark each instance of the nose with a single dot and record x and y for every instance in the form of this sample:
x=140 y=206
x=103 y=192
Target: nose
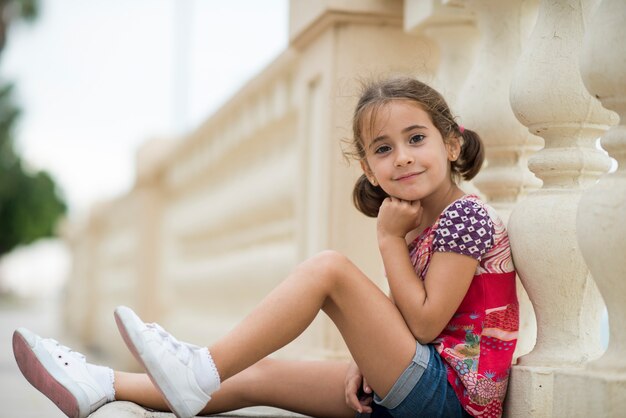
x=403 y=157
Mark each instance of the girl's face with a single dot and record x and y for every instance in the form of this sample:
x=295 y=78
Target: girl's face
x=405 y=153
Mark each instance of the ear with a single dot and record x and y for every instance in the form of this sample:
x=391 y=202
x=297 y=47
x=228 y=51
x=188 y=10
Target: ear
x=453 y=148
x=368 y=172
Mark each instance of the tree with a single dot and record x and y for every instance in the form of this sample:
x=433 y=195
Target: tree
x=11 y=10
x=30 y=204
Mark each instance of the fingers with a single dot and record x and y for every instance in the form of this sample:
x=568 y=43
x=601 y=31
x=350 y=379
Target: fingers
x=404 y=206
x=360 y=404
x=398 y=217
x=366 y=388
x=352 y=399
x=365 y=405
x=397 y=201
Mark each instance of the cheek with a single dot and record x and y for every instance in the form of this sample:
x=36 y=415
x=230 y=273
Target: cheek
x=375 y=166
x=441 y=164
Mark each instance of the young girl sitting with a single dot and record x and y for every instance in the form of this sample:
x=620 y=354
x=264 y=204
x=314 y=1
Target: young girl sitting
x=440 y=345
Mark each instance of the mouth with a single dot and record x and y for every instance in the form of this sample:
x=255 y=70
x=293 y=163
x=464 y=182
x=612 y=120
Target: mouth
x=407 y=176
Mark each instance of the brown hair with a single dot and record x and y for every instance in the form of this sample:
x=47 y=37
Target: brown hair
x=367 y=197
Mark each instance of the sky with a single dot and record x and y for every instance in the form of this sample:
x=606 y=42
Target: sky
x=97 y=78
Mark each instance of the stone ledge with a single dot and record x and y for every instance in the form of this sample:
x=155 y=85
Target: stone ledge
x=121 y=409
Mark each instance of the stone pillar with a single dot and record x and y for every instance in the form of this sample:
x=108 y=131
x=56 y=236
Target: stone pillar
x=483 y=106
x=600 y=389
x=548 y=96
x=83 y=238
x=452 y=28
x=601 y=227
x=149 y=192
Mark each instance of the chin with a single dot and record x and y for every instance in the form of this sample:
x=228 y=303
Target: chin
x=411 y=198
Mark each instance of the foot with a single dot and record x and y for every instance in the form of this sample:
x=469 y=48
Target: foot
x=184 y=374
x=61 y=374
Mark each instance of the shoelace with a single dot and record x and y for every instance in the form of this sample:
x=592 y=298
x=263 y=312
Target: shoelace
x=181 y=350
x=71 y=353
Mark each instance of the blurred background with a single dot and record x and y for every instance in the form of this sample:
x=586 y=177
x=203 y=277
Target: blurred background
x=82 y=85
x=180 y=157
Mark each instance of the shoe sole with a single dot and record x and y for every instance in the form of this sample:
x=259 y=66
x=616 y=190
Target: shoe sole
x=134 y=343
x=40 y=370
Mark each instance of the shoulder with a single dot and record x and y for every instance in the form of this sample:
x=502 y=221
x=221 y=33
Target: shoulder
x=468 y=213
x=466 y=226
x=467 y=206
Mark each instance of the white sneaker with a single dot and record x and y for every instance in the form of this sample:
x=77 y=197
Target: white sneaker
x=59 y=373
x=185 y=374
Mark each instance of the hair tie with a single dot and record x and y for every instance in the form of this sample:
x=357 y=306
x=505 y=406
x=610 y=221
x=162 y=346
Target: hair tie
x=461 y=128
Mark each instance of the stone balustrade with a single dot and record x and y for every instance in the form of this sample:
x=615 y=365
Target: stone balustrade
x=217 y=218
x=599 y=388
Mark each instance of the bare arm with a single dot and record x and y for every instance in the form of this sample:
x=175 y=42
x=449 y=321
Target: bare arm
x=428 y=305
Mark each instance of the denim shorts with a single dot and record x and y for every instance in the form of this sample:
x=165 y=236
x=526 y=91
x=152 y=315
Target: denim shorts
x=422 y=390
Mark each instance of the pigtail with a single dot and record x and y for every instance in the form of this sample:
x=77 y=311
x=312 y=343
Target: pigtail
x=367 y=197
x=472 y=155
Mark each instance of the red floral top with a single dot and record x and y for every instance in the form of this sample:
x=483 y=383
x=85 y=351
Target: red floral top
x=478 y=342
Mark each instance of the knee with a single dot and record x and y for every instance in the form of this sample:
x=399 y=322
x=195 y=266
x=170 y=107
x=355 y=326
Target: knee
x=249 y=384
x=330 y=259
x=258 y=370
x=328 y=263
x=328 y=266
x=264 y=366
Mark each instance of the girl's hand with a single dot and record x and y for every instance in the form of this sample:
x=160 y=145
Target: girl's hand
x=358 y=393
x=396 y=217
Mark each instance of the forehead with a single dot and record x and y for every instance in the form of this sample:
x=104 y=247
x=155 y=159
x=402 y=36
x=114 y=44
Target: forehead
x=395 y=114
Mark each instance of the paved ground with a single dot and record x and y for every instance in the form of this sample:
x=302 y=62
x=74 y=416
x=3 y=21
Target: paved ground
x=20 y=400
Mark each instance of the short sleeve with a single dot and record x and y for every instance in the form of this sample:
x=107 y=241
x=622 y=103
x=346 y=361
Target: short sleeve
x=465 y=228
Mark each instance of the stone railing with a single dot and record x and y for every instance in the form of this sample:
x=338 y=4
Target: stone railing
x=200 y=236
x=216 y=219
x=537 y=73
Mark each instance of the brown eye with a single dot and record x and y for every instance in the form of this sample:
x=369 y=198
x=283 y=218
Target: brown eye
x=416 y=139
x=382 y=149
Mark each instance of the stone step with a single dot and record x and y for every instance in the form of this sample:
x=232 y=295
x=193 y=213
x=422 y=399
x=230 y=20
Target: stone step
x=121 y=409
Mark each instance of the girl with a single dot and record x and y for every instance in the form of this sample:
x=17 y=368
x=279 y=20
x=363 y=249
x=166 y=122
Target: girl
x=440 y=345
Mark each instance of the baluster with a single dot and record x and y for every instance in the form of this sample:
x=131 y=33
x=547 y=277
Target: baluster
x=483 y=105
x=484 y=102
x=548 y=96
x=600 y=389
x=600 y=224
x=452 y=29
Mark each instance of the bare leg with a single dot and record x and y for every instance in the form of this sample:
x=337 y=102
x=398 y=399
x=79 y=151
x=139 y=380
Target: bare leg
x=138 y=388
x=371 y=325
x=373 y=328
x=310 y=388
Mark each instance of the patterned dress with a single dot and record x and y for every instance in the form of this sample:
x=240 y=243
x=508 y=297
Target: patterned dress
x=478 y=343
